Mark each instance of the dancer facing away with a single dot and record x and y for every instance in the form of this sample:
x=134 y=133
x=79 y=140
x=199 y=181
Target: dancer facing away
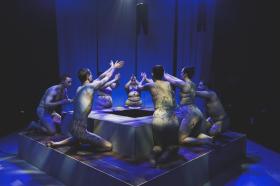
x=192 y=122
x=218 y=120
x=82 y=107
x=53 y=97
x=165 y=124
x=104 y=96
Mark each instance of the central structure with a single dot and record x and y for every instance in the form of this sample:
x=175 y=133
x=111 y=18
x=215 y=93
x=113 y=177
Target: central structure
x=129 y=130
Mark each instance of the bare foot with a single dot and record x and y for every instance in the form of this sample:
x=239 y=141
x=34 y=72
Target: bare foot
x=50 y=144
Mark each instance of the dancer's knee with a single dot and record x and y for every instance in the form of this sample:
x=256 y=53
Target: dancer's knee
x=182 y=139
x=108 y=145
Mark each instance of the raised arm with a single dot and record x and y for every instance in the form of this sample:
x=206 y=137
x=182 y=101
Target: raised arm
x=149 y=80
x=146 y=86
x=127 y=84
x=174 y=80
x=113 y=81
x=101 y=76
x=144 y=76
x=142 y=80
x=98 y=83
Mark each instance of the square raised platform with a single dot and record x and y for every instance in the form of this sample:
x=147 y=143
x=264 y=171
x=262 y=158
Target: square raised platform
x=85 y=167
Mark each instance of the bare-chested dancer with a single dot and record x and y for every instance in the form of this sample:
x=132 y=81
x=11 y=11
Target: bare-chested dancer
x=218 y=120
x=165 y=124
x=82 y=107
x=104 y=95
x=53 y=97
x=133 y=92
x=192 y=126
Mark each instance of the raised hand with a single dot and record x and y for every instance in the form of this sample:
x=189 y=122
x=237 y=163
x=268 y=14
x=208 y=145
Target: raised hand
x=143 y=75
x=112 y=63
x=119 y=64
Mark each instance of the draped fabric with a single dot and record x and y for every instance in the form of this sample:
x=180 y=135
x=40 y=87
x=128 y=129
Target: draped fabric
x=92 y=32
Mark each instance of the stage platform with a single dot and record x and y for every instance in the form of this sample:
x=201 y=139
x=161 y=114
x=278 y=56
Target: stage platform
x=84 y=166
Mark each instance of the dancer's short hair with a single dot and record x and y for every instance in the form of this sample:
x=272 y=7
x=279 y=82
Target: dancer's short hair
x=83 y=74
x=189 y=71
x=158 y=72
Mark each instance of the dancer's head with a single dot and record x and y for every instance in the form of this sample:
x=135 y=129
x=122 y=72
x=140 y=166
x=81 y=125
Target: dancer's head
x=66 y=80
x=201 y=86
x=204 y=85
x=187 y=72
x=133 y=79
x=157 y=72
x=84 y=74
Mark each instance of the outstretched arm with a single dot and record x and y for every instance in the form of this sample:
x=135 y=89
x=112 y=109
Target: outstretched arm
x=127 y=85
x=146 y=86
x=174 y=80
x=98 y=83
x=204 y=94
x=149 y=80
x=144 y=76
x=101 y=76
x=113 y=81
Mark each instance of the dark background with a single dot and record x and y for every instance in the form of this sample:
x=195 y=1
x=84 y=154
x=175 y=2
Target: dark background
x=29 y=61
x=245 y=52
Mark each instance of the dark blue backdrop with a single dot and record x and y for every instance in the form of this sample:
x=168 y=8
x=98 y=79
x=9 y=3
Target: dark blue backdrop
x=91 y=32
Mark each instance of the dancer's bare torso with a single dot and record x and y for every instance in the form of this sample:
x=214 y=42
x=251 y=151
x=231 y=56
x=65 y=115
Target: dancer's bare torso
x=83 y=102
x=162 y=95
x=187 y=93
x=133 y=91
x=52 y=94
